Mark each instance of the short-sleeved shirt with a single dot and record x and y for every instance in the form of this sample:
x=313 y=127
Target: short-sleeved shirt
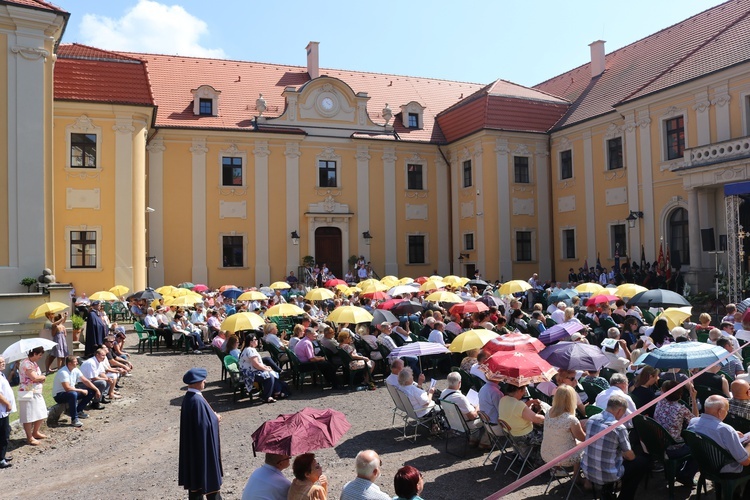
x=304 y=350
x=672 y=415
x=602 y=459
x=92 y=368
x=458 y=399
x=724 y=435
x=489 y=399
x=65 y=375
x=511 y=410
x=740 y=407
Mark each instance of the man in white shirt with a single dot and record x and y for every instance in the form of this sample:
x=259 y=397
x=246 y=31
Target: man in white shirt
x=94 y=369
x=396 y=366
x=453 y=395
x=618 y=384
x=198 y=319
x=267 y=482
x=367 y=465
x=559 y=315
x=7 y=406
x=475 y=368
x=437 y=334
x=65 y=390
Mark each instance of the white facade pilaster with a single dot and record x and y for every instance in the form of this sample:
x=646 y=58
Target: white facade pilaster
x=292 y=154
x=389 y=210
x=199 y=271
x=455 y=244
x=262 y=266
x=503 y=213
x=441 y=173
x=720 y=101
x=589 y=198
x=156 y=218
x=647 y=187
x=123 y=230
x=480 y=209
x=702 y=118
x=363 y=201
x=541 y=159
x=694 y=232
x=631 y=165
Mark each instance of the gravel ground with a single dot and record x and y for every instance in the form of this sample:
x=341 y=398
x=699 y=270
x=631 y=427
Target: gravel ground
x=130 y=449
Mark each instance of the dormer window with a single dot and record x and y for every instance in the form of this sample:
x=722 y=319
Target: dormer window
x=206 y=101
x=412 y=115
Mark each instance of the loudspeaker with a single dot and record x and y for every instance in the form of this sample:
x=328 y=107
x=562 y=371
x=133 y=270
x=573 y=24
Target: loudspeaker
x=708 y=240
x=675 y=259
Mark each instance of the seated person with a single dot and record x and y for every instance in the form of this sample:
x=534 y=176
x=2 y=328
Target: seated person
x=713 y=380
x=734 y=366
x=618 y=386
x=537 y=321
x=644 y=388
x=371 y=340
x=396 y=366
x=453 y=395
x=177 y=328
x=328 y=341
x=519 y=415
x=592 y=377
x=710 y=424
x=219 y=340
x=476 y=369
x=564 y=377
x=358 y=362
x=739 y=405
x=267 y=482
x=94 y=369
x=213 y=323
x=469 y=360
x=252 y=367
x=123 y=367
x=671 y=414
x=420 y=400
x=611 y=349
x=562 y=428
x=66 y=390
x=305 y=351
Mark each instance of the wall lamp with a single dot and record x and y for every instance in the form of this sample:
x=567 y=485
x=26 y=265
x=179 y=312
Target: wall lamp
x=295 y=237
x=367 y=236
x=634 y=216
x=462 y=256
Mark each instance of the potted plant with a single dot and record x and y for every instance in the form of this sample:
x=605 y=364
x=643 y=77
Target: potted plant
x=28 y=282
x=353 y=261
x=308 y=261
x=77 y=322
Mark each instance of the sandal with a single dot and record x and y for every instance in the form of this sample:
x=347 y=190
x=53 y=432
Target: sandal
x=270 y=400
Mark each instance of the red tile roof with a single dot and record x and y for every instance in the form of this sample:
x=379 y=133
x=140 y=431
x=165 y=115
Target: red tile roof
x=712 y=40
x=85 y=73
x=35 y=4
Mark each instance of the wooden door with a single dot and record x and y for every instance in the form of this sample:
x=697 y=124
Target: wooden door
x=328 y=249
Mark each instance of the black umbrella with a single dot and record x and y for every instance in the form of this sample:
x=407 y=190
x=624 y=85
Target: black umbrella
x=480 y=284
x=148 y=294
x=406 y=308
x=658 y=298
x=490 y=301
x=382 y=316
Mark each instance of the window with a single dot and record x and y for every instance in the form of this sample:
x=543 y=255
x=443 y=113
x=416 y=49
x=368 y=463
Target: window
x=231 y=171
x=569 y=243
x=412 y=115
x=232 y=251
x=614 y=153
x=523 y=246
x=413 y=120
x=521 y=169
x=414 y=177
x=675 y=132
x=566 y=164
x=469 y=241
x=82 y=249
x=327 y=173
x=416 y=249
x=467 y=173
x=206 y=107
x=618 y=239
x=83 y=150
x=678 y=237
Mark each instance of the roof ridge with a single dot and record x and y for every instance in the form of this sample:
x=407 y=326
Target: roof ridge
x=685 y=56
x=117 y=56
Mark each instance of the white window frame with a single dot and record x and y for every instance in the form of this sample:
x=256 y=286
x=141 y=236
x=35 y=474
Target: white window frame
x=232 y=152
x=415 y=108
x=415 y=161
x=530 y=166
x=83 y=125
x=426 y=237
x=328 y=154
x=205 y=92
x=559 y=165
x=99 y=256
x=563 y=246
x=473 y=241
x=610 y=237
x=533 y=244
x=745 y=110
x=244 y=250
x=670 y=114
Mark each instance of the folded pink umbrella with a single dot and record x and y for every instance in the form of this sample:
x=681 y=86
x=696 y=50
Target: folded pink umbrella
x=296 y=433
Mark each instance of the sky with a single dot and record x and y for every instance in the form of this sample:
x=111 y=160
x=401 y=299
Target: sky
x=526 y=42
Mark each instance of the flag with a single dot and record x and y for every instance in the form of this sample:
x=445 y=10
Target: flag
x=586 y=265
x=598 y=262
x=643 y=259
x=660 y=261
x=668 y=266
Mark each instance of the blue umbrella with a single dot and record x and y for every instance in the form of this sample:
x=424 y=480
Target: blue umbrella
x=232 y=293
x=562 y=296
x=558 y=332
x=683 y=355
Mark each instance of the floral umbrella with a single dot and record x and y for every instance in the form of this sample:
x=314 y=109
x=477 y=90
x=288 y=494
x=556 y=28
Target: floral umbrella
x=519 y=368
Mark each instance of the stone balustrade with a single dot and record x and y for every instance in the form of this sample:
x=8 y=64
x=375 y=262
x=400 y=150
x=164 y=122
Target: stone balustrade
x=718 y=152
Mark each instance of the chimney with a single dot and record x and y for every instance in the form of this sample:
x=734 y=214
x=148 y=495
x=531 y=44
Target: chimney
x=313 y=65
x=597 y=58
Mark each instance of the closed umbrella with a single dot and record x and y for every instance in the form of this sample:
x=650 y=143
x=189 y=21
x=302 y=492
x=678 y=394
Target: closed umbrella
x=20 y=349
x=294 y=434
x=514 y=341
x=472 y=339
x=284 y=310
x=513 y=286
x=469 y=307
x=319 y=294
x=683 y=355
x=574 y=356
x=350 y=314
x=52 y=307
x=560 y=331
x=242 y=321
x=519 y=368
x=383 y=316
x=658 y=298
x=675 y=316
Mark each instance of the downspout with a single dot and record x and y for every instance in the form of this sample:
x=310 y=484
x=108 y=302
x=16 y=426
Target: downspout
x=450 y=207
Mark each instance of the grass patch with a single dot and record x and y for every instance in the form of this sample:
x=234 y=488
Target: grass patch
x=46 y=392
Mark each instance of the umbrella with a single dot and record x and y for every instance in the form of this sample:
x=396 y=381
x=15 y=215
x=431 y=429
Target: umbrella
x=418 y=349
x=421 y=279
x=601 y=298
x=514 y=286
x=184 y=301
x=232 y=293
x=383 y=316
x=333 y=282
x=658 y=298
x=185 y=284
x=119 y=290
x=320 y=294
x=742 y=306
x=472 y=339
x=402 y=290
x=589 y=288
x=405 y=281
x=182 y=292
x=302 y=432
x=363 y=284
x=20 y=349
x=515 y=341
x=149 y=294
x=489 y=300
x=431 y=285
x=242 y=321
x=200 y=288
x=279 y=285
x=389 y=304
x=374 y=287
x=166 y=290
x=455 y=280
x=350 y=314
x=226 y=287
x=389 y=278
x=284 y=310
x=469 y=307
x=443 y=296
x=562 y=296
x=683 y=355
x=407 y=308
x=376 y=295
x=53 y=307
x=627 y=290
x=480 y=284
x=519 y=368
x=675 y=316
x=252 y=295
x=560 y=331
x=267 y=291
x=574 y=356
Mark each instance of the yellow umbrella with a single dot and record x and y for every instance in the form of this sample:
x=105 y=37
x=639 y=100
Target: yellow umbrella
x=436 y=277
x=284 y=310
x=405 y=281
x=443 y=296
x=342 y=286
x=53 y=307
x=184 y=301
x=431 y=284
x=675 y=315
x=513 y=286
x=375 y=287
x=628 y=290
x=362 y=284
x=589 y=288
x=184 y=292
x=350 y=290
x=242 y=321
x=119 y=290
x=389 y=281
x=166 y=290
x=155 y=303
x=103 y=295
x=453 y=280
x=320 y=294
x=472 y=339
x=252 y=295
x=350 y=314
x=279 y=285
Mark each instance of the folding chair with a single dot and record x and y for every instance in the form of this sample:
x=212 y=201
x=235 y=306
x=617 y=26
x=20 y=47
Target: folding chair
x=457 y=425
x=413 y=420
x=499 y=441
x=573 y=477
x=523 y=451
x=398 y=405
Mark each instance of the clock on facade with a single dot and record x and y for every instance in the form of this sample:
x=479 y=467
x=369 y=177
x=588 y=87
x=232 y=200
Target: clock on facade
x=326 y=103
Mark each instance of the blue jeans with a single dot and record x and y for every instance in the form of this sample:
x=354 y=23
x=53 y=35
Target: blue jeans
x=75 y=403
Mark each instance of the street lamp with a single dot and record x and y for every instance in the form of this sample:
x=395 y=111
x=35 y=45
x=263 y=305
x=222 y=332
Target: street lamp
x=634 y=216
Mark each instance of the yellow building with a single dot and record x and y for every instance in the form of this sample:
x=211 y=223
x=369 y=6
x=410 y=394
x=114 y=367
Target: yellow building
x=160 y=169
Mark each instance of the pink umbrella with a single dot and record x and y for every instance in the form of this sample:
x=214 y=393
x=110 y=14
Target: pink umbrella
x=601 y=299
x=514 y=342
x=377 y=295
x=469 y=307
x=519 y=368
x=297 y=433
x=333 y=282
x=200 y=288
x=390 y=304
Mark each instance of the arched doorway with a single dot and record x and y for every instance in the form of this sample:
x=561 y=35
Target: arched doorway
x=679 y=243
x=328 y=248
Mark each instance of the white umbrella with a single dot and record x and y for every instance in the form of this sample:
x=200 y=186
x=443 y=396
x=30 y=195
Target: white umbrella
x=402 y=290
x=418 y=349
x=19 y=350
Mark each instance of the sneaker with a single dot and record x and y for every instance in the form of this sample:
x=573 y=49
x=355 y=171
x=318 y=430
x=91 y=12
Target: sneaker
x=77 y=423
x=559 y=472
x=128 y=375
x=4 y=464
x=82 y=414
x=197 y=352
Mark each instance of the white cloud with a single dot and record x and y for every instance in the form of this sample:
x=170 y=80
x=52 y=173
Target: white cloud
x=149 y=27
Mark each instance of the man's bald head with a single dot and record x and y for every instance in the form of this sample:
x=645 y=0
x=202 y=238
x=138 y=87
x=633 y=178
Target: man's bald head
x=740 y=389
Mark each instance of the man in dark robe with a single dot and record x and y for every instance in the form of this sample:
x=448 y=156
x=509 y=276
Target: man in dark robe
x=96 y=329
x=200 y=470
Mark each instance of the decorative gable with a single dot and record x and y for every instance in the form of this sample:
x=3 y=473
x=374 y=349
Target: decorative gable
x=206 y=93
x=412 y=115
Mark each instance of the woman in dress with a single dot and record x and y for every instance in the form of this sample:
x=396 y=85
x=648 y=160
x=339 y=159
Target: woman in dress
x=408 y=483
x=358 y=361
x=562 y=428
x=252 y=368
x=31 y=405
x=309 y=482
x=48 y=331
x=59 y=335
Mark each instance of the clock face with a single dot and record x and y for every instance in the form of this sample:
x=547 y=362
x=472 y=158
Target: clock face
x=326 y=103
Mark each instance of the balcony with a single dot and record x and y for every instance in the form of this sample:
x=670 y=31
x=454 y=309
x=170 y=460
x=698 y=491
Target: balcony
x=718 y=152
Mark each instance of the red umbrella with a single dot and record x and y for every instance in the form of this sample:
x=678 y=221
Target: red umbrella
x=514 y=342
x=422 y=279
x=469 y=307
x=377 y=295
x=200 y=288
x=302 y=432
x=333 y=282
x=519 y=368
x=390 y=304
x=601 y=299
